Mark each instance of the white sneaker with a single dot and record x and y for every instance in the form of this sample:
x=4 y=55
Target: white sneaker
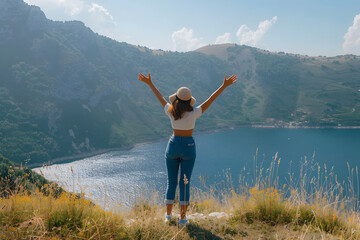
x=167 y=218
x=183 y=222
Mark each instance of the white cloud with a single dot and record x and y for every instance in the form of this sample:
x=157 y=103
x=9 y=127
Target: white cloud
x=225 y=38
x=251 y=38
x=95 y=16
x=183 y=40
x=100 y=20
x=100 y=10
x=351 y=43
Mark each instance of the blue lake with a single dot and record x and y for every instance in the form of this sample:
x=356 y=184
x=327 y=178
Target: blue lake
x=123 y=176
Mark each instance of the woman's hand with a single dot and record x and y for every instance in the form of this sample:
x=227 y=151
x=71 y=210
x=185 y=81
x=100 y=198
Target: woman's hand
x=147 y=80
x=228 y=81
x=144 y=79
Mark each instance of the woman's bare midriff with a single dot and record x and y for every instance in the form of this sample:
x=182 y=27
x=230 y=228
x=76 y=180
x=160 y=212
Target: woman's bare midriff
x=183 y=133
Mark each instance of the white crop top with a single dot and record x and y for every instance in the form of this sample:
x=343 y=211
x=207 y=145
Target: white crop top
x=187 y=121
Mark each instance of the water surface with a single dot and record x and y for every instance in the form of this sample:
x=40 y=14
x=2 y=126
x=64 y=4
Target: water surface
x=123 y=176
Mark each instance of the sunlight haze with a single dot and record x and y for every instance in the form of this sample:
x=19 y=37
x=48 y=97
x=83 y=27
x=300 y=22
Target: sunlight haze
x=313 y=28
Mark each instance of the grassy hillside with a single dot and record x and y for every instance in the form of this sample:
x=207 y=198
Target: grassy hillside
x=258 y=210
x=16 y=178
x=310 y=91
x=65 y=90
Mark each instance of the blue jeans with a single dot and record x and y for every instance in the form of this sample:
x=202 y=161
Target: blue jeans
x=180 y=152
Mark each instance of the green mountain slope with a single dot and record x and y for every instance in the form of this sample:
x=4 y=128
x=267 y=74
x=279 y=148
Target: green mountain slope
x=311 y=91
x=65 y=90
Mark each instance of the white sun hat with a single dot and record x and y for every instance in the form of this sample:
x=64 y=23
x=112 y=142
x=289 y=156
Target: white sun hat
x=183 y=94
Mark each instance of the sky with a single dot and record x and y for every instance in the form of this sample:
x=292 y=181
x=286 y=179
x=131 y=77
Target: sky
x=307 y=27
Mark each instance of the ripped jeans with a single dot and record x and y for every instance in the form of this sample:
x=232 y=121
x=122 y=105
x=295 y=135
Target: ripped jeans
x=180 y=152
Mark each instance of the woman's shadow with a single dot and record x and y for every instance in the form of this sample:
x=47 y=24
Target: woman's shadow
x=198 y=233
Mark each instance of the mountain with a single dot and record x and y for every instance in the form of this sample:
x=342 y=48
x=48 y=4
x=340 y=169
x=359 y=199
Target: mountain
x=65 y=90
x=323 y=91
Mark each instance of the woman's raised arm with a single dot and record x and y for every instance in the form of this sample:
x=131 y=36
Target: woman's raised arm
x=227 y=82
x=148 y=81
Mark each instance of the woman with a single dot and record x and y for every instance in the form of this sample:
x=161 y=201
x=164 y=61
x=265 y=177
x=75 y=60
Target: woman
x=180 y=151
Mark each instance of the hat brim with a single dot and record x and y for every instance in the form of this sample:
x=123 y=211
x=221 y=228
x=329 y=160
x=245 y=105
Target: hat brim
x=173 y=97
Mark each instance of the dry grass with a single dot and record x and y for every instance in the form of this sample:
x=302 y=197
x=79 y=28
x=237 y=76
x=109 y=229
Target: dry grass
x=312 y=208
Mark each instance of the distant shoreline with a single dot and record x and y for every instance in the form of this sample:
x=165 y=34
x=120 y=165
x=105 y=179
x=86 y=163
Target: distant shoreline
x=124 y=148
x=80 y=156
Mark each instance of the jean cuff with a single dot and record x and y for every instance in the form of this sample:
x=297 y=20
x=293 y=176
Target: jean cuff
x=167 y=201
x=184 y=203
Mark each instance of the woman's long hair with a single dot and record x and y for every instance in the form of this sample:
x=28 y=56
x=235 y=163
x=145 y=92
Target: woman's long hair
x=179 y=107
